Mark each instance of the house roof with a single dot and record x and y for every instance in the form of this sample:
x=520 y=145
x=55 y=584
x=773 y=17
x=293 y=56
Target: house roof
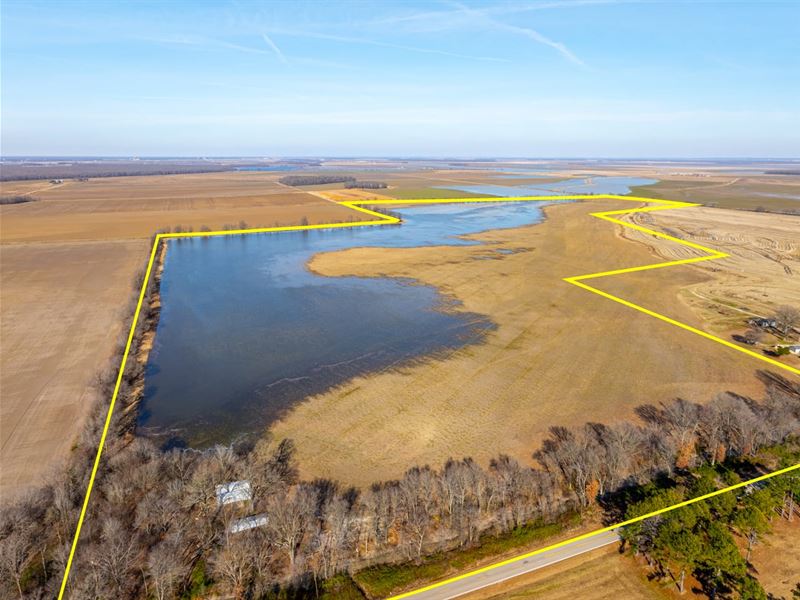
x=234 y=491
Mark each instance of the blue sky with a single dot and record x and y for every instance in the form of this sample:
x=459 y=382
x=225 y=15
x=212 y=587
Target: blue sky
x=522 y=78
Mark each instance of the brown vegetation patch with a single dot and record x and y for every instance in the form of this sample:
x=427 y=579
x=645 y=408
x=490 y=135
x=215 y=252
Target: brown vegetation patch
x=61 y=315
x=776 y=559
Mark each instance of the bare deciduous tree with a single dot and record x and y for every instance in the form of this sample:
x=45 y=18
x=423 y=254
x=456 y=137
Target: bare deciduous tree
x=14 y=554
x=233 y=564
x=165 y=568
x=786 y=318
x=289 y=517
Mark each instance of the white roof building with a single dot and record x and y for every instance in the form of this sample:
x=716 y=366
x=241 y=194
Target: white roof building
x=235 y=491
x=246 y=523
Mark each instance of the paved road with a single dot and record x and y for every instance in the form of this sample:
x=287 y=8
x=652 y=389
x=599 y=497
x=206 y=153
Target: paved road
x=492 y=576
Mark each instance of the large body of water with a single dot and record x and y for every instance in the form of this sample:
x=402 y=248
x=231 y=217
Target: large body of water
x=585 y=185
x=246 y=330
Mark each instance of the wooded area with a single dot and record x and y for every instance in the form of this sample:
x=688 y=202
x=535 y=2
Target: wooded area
x=19 y=199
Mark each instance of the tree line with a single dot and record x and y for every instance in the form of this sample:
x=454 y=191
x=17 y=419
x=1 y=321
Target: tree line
x=348 y=181
x=299 y=180
x=18 y=199
x=699 y=539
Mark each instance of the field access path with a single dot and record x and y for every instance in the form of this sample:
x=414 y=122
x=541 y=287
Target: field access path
x=378 y=218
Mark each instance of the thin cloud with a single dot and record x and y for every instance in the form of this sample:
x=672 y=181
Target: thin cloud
x=538 y=37
x=370 y=42
x=201 y=42
x=275 y=48
x=444 y=20
x=527 y=32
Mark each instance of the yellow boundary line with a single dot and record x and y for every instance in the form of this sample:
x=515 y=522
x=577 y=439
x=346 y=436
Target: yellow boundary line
x=382 y=219
x=592 y=534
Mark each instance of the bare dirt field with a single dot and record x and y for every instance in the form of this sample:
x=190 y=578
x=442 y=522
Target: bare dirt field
x=776 y=559
x=67 y=263
x=603 y=574
x=62 y=308
x=559 y=356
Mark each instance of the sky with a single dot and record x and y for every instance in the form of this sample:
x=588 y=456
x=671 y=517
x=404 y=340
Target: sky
x=579 y=78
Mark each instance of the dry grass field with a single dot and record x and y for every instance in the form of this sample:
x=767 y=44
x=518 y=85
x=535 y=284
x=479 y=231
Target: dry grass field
x=67 y=264
x=559 y=356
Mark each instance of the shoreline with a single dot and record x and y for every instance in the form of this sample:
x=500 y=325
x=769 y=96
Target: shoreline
x=543 y=366
x=141 y=346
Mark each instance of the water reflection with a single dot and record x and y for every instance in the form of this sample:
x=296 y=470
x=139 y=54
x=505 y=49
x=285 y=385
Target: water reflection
x=246 y=330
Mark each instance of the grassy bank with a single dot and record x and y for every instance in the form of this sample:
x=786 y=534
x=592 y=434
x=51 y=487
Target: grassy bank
x=429 y=192
x=384 y=580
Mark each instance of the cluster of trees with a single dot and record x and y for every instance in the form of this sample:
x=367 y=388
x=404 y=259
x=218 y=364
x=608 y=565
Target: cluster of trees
x=786 y=318
x=699 y=539
x=348 y=181
x=366 y=185
x=783 y=322
x=154 y=527
x=296 y=180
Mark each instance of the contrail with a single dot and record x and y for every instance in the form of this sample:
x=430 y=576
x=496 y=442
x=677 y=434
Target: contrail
x=275 y=48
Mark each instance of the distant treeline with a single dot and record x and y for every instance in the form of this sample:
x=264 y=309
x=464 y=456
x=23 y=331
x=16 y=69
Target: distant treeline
x=783 y=172
x=21 y=170
x=15 y=172
x=348 y=181
x=297 y=180
x=366 y=185
x=16 y=199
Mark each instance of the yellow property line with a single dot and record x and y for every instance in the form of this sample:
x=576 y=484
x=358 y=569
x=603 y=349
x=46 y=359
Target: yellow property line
x=383 y=219
x=584 y=536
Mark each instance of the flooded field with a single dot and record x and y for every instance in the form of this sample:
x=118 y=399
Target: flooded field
x=246 y=330
x=584 y=185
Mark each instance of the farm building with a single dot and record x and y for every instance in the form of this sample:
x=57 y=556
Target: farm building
x=246 y=523
x=763 y=323
x=235 y=491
